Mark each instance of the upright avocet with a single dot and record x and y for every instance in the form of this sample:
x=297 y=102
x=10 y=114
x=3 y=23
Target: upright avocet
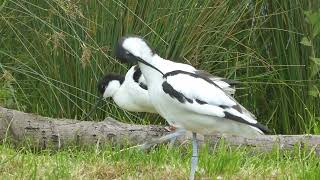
x=186 y=98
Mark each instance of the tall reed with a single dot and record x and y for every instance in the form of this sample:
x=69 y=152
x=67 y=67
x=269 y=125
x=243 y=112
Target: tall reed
x=56 y=51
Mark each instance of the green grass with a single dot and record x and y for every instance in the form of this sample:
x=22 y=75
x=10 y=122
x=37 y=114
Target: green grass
x=160 y=163
x=53 y=52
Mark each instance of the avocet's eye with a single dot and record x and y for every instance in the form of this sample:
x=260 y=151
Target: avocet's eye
x=127 y=52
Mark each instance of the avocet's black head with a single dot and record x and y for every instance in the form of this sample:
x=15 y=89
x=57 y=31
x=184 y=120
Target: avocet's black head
x=107 y=87
x=109 y=84
x=132 y=48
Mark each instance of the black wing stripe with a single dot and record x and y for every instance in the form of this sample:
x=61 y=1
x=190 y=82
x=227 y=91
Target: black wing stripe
x=168 y=89
x=143 y=86
x=236 y=107
x=201 y=102
x=173 y=73
x=243 y=121
x=201 y=75
x=137 y=74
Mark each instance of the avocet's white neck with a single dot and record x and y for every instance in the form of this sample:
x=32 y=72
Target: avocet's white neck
x=150 y=74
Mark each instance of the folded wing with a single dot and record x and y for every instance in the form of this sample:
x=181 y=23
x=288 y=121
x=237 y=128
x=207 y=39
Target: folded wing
x=200 y=94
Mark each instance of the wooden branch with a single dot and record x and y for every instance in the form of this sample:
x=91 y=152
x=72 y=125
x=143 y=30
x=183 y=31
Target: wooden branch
x=43 y=132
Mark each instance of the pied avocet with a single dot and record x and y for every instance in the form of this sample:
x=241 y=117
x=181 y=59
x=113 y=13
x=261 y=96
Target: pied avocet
x=186 y=98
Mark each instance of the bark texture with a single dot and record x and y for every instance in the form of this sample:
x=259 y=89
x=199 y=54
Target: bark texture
x=43 y=132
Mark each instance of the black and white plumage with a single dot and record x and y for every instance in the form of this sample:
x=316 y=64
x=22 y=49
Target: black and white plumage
x=186 y=98
x=226 y=84
x=130 y=92
x=176 y=89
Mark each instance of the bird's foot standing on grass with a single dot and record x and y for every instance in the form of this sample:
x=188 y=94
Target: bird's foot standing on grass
x=194 y=159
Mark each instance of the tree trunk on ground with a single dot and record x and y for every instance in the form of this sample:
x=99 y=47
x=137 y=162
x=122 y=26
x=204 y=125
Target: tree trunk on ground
x=42 y=132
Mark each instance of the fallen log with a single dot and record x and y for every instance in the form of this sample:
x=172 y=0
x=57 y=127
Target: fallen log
x=43 y=132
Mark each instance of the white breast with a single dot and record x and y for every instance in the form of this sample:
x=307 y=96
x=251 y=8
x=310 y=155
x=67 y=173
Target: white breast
x=132 y=97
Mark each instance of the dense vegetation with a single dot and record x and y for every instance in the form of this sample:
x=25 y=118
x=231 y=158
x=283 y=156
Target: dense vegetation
x=53 y=52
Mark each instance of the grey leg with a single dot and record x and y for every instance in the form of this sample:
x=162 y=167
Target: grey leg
x=194 y=159
x=172 y=136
